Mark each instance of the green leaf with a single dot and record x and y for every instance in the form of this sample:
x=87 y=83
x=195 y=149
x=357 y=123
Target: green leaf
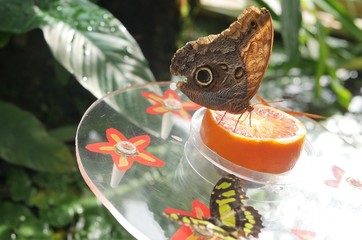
x=53 y=189
x=5 y=232
x=62 y=76
x=64 y=133
x=25 y=142
x=354 y=63
x=45 y=199
x=339 y=12
x=40 y=199
x=93 y=45
x=4 y=38
x=18 y=183
x=12 y=214
x=290 y=20
x=57 y=216
x=18 y=16
x=18 y=219
x=33 y=229
x=98 y=226
x=57 y=182
x=323 y=56
x=86 y=39
x=344 y=96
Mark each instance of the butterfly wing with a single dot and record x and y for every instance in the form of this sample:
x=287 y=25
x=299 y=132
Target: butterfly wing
x=201 y=227
x=249 y=222
x=225 y=71
x=227 y=196
x=228 y=209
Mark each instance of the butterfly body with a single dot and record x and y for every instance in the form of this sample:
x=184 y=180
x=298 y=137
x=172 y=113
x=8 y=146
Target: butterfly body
x=230 y=217
x=224 y=71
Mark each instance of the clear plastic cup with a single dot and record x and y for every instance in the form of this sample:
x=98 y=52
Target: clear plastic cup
x=201 y=166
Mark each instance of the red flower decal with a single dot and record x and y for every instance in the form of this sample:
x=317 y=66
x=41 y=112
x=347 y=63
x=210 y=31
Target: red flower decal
x=338 y=174
x=354 y=182
x=126 y=151
x=304 y=234
x=199 y=210
x=169 y=102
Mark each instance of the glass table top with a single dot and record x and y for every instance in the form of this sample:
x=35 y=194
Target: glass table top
x=139 y=151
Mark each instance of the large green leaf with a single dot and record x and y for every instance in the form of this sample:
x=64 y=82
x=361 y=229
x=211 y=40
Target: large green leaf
x=24 y=141
x=18 y=16
x=93 y=45
x=86 y=39
x=290 y=20
x=323 y=56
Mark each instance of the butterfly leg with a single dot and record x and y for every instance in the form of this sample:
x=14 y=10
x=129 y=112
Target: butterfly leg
x=222 y=118
x=249 y=109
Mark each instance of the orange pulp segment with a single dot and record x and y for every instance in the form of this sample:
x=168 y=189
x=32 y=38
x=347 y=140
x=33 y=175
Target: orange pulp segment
x=270 y=141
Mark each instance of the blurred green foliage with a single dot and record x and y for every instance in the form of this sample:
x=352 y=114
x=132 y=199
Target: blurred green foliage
x=316 y=61
x=40 y=205
x=316 y=56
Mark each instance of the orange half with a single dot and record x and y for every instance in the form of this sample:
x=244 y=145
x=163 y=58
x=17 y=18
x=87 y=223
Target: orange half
x=269 y=140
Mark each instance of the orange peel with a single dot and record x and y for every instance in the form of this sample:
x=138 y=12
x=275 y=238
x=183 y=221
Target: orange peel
x=268 y=141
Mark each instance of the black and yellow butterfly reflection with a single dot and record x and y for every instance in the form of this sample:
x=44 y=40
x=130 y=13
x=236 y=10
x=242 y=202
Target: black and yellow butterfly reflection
x=230 y=218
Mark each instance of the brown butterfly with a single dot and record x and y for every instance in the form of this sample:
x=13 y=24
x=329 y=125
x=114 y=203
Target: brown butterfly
x=224 y=71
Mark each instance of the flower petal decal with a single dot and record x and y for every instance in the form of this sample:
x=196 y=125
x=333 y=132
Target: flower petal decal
x=304 y=234
x=169 y=102
x=338 y=174
x=354 y=182
x=125 y=151
x=199 y=210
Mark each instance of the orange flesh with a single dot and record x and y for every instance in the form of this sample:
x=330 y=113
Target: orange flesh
x=268 y=141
